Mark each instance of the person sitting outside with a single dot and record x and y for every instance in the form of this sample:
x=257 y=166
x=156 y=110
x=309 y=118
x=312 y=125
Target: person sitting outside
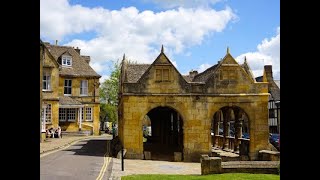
x=58 y=132
x=48 y=133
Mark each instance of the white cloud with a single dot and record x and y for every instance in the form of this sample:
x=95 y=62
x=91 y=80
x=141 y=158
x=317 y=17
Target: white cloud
x=98 y=67
x=184 y=3
x=203 y=67
x=175 y=64
x=268 y=53
x=103 y=78
x=137 y=34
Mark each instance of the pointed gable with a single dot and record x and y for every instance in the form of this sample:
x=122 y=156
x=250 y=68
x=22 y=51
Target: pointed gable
x=247 y=68
x=230 y=77
x=79 y=68
x=160 y=77
x=162 y=63
x=49 y=61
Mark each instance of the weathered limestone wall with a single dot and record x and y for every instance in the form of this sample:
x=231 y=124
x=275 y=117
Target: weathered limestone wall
x=197 y=113
x=96 y=119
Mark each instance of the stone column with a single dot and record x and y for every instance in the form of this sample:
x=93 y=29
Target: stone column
x=238 y=129
x=216 y=120
x=226 y=126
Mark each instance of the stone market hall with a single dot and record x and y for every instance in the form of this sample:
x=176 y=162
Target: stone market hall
x=189 y=115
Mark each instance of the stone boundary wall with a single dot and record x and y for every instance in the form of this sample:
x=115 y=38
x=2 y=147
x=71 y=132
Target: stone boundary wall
x=214 y=165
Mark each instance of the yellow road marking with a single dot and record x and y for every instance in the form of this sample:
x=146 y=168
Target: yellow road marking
x=106 y=161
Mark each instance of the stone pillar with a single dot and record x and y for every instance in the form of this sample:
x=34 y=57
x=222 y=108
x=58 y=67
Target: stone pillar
x=177 y=156
x=226 y=126
x=238 y=129
x=216 y=121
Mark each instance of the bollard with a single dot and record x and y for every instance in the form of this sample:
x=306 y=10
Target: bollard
x=122 y=162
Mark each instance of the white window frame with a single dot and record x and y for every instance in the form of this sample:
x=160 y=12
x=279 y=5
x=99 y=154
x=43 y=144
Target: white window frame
x=88 y=113
x=62 y=115
x=65 y=114
x=66 y=60
x=84 y=87
x=67 y=86
x=71 y=114
x=46 y=80
x=82 y=113
x=48 y=111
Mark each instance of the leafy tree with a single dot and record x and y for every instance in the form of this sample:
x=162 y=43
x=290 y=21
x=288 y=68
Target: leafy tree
x=109 y=95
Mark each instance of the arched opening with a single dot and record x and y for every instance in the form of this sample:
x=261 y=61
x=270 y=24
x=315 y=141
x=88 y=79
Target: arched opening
x=164 y=135
x=230 y=130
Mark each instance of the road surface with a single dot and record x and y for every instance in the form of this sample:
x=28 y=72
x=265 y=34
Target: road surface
x=84 y=160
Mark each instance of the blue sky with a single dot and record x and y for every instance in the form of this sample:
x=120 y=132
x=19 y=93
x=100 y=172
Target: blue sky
x=195 y=33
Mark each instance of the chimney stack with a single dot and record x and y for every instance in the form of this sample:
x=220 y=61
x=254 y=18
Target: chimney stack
x=192 y=74
x=78 y=50
x=268 y=72
x=86 y=58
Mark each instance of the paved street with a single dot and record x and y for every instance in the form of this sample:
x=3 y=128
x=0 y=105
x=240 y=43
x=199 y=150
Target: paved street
x=83 y=160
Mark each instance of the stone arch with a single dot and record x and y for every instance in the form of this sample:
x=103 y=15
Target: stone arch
x=233 y=119
x=155 y=105
x=166 y=137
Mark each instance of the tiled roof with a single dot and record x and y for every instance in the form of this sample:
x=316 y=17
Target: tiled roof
x=277 y=83
x=135 y=71
x=65 y=100
x=273 y=88
x=187 y=78
x=203 y=77
x=80 y=68
x=275 y=92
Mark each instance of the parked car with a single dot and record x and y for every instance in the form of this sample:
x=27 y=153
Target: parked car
x=274 y=139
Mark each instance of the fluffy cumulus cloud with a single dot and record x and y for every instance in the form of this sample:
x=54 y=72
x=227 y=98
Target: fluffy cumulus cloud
x=268 y=53
x=139 y=34
x=103 y=78
x=183 y=3
x=203 y=67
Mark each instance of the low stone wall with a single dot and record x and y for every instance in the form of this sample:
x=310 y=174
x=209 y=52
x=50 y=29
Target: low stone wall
x=214 y=165
x=265 y=155
x=210 y=165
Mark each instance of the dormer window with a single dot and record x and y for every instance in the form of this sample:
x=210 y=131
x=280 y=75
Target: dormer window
x=66 y=60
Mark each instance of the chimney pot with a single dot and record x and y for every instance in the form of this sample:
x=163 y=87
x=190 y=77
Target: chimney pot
x=78 y=50
x=193 y=73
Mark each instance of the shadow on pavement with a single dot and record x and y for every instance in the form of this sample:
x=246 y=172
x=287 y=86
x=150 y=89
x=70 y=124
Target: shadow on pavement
x=92 y=147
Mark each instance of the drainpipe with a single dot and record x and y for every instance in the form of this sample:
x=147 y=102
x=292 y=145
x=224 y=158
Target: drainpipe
x=94 y=90
x=80 y=118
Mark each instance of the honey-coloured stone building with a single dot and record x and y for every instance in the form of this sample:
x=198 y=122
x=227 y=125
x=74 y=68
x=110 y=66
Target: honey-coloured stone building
x=189 y=115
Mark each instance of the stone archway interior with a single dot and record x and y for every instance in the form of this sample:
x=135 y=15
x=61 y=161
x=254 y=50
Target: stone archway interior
x=230 y=128
x=166 y=136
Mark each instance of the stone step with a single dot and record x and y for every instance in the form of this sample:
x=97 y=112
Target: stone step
x=225 y=155
x=76 y=133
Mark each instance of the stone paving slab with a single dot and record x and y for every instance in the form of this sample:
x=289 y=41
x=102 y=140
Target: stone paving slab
x=132 y=166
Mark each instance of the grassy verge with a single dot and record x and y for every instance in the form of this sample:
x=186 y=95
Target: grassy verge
x=226 y=176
